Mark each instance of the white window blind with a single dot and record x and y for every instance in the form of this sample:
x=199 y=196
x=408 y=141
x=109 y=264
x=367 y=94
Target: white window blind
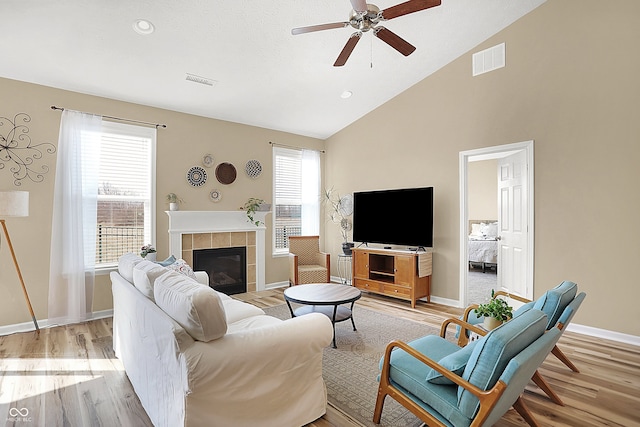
x=126 y=216
x=289 y=181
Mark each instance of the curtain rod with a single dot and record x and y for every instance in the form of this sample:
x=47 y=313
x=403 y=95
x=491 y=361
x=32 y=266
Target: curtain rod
x=157 y=125
x=295 y=148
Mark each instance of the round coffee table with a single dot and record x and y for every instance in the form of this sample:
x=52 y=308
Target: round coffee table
x=324 y=298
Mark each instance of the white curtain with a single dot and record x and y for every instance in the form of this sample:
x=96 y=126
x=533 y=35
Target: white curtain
x=310 y=193
x=73 y=239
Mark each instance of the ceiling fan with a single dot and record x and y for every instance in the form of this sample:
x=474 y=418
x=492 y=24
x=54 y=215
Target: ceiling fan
x=365 y=17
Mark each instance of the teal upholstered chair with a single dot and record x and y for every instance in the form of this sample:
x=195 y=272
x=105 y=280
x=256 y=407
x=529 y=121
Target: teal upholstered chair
x=553 y=303
x=559 y=304
x=445 y=385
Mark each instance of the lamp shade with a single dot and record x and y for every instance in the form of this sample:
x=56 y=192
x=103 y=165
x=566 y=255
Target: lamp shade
x=14 y=203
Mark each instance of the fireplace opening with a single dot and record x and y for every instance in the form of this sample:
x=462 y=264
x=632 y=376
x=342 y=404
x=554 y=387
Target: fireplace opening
x=226 y=267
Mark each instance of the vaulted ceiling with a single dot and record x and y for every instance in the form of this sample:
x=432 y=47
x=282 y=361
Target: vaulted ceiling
x=261 y=74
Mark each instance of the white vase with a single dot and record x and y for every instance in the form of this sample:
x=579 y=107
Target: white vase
x=490 y=323
x=151 y=256
x=174 y=206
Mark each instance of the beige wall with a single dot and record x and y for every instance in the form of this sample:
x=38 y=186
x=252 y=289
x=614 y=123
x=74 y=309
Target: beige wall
x=571 y=84
x=482 y=189
x=180 y=146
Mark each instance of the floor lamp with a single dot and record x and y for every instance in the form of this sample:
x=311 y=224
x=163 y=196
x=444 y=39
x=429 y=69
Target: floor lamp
x=16 y=203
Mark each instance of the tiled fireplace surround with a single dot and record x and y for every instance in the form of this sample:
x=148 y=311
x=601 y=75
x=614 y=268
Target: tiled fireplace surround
x=193 y=230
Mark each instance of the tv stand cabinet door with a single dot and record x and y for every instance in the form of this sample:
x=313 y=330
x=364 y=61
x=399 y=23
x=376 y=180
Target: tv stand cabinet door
x=405 y=270
x=360 y=264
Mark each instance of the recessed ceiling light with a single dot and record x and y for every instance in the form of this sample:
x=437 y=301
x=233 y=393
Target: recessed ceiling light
x=346 y=94
x=142 y=26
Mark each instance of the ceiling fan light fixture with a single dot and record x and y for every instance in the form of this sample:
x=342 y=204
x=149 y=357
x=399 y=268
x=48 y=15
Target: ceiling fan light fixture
x=144 y=27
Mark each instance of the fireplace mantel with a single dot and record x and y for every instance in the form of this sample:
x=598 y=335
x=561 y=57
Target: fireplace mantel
x=194 y=222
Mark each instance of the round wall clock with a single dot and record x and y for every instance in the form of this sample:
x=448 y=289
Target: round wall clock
x=253 y=168
x=196 y=176
x=226 y=173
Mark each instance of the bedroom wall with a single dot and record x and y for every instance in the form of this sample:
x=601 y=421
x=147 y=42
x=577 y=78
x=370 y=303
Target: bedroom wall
x=571 y=84
x=482 y=189
x=180 y=146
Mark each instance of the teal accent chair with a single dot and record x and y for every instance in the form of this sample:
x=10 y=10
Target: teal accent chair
x=445 y=385
x=559 y=304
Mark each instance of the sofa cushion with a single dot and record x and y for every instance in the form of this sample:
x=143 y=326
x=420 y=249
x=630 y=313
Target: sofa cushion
x=455 y=362
x=145 y=274
x=494 y=351
x=237 y=310
x=197 y=308
x=126 y=264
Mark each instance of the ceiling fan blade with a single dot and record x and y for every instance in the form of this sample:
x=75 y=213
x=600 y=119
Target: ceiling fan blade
x=408 y=7
x=394 y=40
x=347 y=49
x=359 y=5
x=321 y=27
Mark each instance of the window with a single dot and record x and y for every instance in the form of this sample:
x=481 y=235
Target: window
x=126 y=189
x=296 y=195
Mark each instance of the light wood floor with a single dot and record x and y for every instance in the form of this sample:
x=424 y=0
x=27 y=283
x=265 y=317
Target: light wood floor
x=69 y=376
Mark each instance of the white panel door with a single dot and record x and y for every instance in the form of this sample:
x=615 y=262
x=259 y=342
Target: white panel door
x=512 y=224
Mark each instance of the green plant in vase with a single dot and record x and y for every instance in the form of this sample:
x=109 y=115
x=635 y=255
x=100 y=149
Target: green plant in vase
x=495 y=312
x=252 y=206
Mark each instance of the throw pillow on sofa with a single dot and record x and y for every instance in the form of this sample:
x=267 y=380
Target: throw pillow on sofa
x=145 y=274
x=197 y=308
x=181 y=266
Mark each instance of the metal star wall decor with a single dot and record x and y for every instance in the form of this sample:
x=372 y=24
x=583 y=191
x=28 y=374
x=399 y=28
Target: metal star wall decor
x=18 y=152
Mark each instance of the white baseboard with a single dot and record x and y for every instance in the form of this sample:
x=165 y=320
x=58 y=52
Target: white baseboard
x=45 y=323
x=276 y=285
x=604 y=334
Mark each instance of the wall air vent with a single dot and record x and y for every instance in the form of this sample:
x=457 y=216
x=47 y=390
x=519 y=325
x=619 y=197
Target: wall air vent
x=201 y=80
x=488 y=59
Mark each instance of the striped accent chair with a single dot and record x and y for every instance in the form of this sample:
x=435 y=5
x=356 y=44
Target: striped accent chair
x=306 y=263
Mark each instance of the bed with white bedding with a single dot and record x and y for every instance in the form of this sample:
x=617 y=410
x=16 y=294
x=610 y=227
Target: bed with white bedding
x=483 y=243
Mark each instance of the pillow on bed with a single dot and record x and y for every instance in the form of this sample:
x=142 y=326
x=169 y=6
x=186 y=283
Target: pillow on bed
x=490 y=230
x=476 y=230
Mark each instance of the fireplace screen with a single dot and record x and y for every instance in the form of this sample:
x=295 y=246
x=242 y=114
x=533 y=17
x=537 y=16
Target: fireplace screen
x=226 y=267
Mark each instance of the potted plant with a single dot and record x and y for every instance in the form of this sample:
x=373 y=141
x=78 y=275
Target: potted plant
x=495 y=312
x=254 y=205
x=174 y=201
x=339 y=210
x=148 y=252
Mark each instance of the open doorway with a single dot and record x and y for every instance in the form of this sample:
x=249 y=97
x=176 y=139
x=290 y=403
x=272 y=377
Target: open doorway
x=508 y=261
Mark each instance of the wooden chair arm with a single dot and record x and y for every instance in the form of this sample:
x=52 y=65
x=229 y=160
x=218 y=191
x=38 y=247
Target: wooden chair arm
x=476 y=391
x=464 y=327
x=469 y=309
x=508 y=295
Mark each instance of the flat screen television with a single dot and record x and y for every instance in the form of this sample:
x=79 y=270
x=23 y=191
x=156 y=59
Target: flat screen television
x=402 y=217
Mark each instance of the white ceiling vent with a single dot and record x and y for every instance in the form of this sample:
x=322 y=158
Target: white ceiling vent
x=489 y=59
x=201 y=80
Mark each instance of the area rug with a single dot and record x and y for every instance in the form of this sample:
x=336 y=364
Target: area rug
x=351 y=370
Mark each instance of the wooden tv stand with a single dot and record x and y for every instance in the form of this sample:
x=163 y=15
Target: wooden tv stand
x=393 y=272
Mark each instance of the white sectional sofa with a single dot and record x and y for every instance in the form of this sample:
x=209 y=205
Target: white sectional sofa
x=196 y=357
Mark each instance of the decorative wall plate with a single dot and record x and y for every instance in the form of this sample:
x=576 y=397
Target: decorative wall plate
x=226 y=173
x=215 y=195
x=253 y=168
x=207 y=160
x=196 y=176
